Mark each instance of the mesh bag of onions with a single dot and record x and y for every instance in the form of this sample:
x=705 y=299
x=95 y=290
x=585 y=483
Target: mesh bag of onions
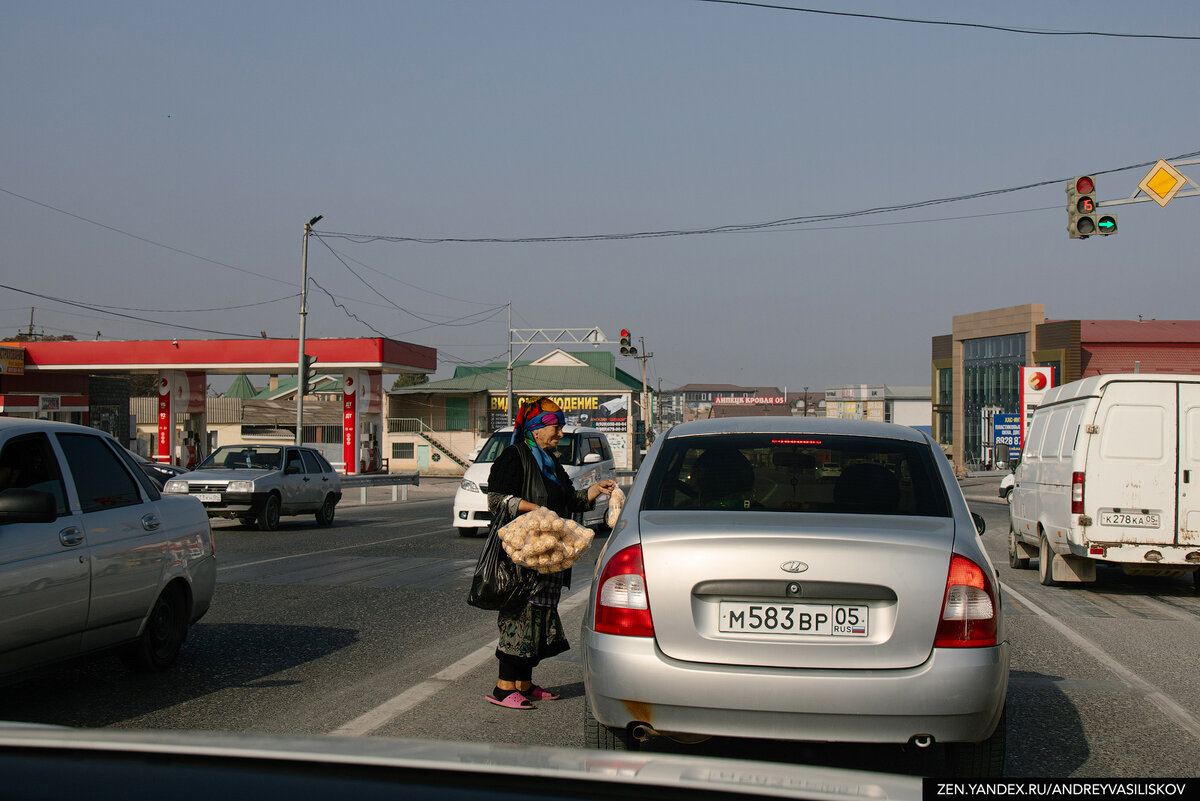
x=544 y=541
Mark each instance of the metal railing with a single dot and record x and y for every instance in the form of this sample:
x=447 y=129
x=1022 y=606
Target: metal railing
x=397 y=481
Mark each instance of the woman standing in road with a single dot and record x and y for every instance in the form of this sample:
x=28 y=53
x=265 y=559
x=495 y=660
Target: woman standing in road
x=525 y=476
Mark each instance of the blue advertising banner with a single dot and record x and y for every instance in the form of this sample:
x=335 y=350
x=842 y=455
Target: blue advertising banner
x=1007 y=431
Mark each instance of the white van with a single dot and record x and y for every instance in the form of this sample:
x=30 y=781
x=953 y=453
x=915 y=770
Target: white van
x=583 y=452
x=1107 y=475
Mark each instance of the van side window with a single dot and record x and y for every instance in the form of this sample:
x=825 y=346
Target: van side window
x=1071 y=434
x=1054 y=434
x=1033 y=440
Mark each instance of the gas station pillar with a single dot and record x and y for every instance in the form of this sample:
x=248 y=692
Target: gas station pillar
x=181 y=392
x=362 y=420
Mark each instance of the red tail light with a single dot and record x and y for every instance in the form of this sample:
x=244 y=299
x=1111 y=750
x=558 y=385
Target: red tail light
x=622 y=606
x=1076 y=493
x=968 y=607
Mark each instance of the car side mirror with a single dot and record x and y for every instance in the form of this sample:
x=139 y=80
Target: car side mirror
x=980 y=525
x=591 y=458
x=27 y=506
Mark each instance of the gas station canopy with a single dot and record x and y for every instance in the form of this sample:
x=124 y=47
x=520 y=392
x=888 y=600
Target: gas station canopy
x=227 y=356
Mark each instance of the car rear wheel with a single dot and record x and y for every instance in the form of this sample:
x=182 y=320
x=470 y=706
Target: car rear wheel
x=326 y=512
x=1008 y=495
x=268 y=520
x=1016 y=559
x=1045 y=560
x=597 y=735
x=162 y=638
x=979 y=760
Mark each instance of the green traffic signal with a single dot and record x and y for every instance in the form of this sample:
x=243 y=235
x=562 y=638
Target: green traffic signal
x=1107 y=224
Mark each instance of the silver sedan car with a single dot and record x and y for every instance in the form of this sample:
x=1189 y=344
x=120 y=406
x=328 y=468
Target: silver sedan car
x=742 y=594
x=92 y=556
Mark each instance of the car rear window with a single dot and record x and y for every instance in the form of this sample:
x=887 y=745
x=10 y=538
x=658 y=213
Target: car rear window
x=797 y=473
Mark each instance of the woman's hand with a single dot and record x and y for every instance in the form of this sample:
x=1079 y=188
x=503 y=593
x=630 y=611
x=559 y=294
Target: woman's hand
x=606 y=487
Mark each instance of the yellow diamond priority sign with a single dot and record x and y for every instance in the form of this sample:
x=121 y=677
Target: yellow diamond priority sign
x=1162 y=182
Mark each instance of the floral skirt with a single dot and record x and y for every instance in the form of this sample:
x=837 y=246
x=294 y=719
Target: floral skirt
x=530 y=634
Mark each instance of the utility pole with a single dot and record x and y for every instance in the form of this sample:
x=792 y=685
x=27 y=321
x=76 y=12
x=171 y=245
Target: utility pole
x=643 y=355
x=303 y=316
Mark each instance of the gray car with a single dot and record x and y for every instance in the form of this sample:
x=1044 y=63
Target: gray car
x=257 y=484
x=91 y=555
x=741 y=595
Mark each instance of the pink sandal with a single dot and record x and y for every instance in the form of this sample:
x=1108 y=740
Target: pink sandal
x=514 y=700
x=536 y=693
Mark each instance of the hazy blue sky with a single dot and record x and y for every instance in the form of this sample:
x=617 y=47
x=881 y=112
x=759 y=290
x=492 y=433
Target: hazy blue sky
x=218 y=129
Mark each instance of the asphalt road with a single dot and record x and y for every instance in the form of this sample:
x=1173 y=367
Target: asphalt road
x=362 y=629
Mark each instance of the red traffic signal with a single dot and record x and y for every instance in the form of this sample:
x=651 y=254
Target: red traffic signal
x=627 y=348
x=1081 y=207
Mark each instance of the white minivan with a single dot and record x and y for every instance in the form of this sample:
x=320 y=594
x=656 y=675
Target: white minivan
x=583 y=452
x=1106 y=475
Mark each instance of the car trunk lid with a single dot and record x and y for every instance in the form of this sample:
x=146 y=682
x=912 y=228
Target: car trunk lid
x=795 y=590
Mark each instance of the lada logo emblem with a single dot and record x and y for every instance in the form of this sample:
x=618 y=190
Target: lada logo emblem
x=793 y=567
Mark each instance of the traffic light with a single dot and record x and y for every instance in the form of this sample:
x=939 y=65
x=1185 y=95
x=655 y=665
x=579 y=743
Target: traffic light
x=1106 y=224
x=627 y=348
x=307 y=375
x=1081 y=207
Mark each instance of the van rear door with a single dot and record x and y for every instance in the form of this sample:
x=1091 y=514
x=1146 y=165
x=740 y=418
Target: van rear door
x=1189 y=464
x=1130 y=481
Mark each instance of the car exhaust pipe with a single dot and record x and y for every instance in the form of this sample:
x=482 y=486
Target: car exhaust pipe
x=643 y=732
x=921 y=740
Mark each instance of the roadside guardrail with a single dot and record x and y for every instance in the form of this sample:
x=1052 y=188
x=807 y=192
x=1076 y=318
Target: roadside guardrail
x=397 y=481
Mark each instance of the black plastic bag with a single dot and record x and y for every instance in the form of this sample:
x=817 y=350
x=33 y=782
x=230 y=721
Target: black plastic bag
x=498 y=582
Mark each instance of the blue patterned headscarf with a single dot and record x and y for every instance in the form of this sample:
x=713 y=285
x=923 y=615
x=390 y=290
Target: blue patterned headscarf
x=532 y=416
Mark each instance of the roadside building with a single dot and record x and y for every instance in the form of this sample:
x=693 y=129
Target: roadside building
x=883 y=403
x=807 y=404
x=433 y=428
x=695 y=401
x=975 y=371
x=766 y=402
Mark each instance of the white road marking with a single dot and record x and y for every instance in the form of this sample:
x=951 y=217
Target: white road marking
x=1185 y=719
x=381 y=715
x=221 y=567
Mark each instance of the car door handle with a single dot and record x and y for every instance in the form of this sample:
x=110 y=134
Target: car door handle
x=70 y=536
x=306 y=479
x=150 y=522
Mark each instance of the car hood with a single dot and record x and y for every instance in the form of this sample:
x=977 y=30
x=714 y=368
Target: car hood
x=446 y=764
x=225 y=474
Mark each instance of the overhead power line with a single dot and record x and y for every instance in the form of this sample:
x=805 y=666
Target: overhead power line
x=732 y=228
x=948 y=23
x=140 y=238
x=78 y=305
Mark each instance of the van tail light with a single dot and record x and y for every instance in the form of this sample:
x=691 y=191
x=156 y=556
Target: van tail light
x=1076 y=493
x=622 y=606
x=968 y=607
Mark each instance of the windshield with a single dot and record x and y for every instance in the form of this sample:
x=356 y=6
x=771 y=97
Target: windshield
x=245 y=457
x=567 y=450
x=766 y=472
